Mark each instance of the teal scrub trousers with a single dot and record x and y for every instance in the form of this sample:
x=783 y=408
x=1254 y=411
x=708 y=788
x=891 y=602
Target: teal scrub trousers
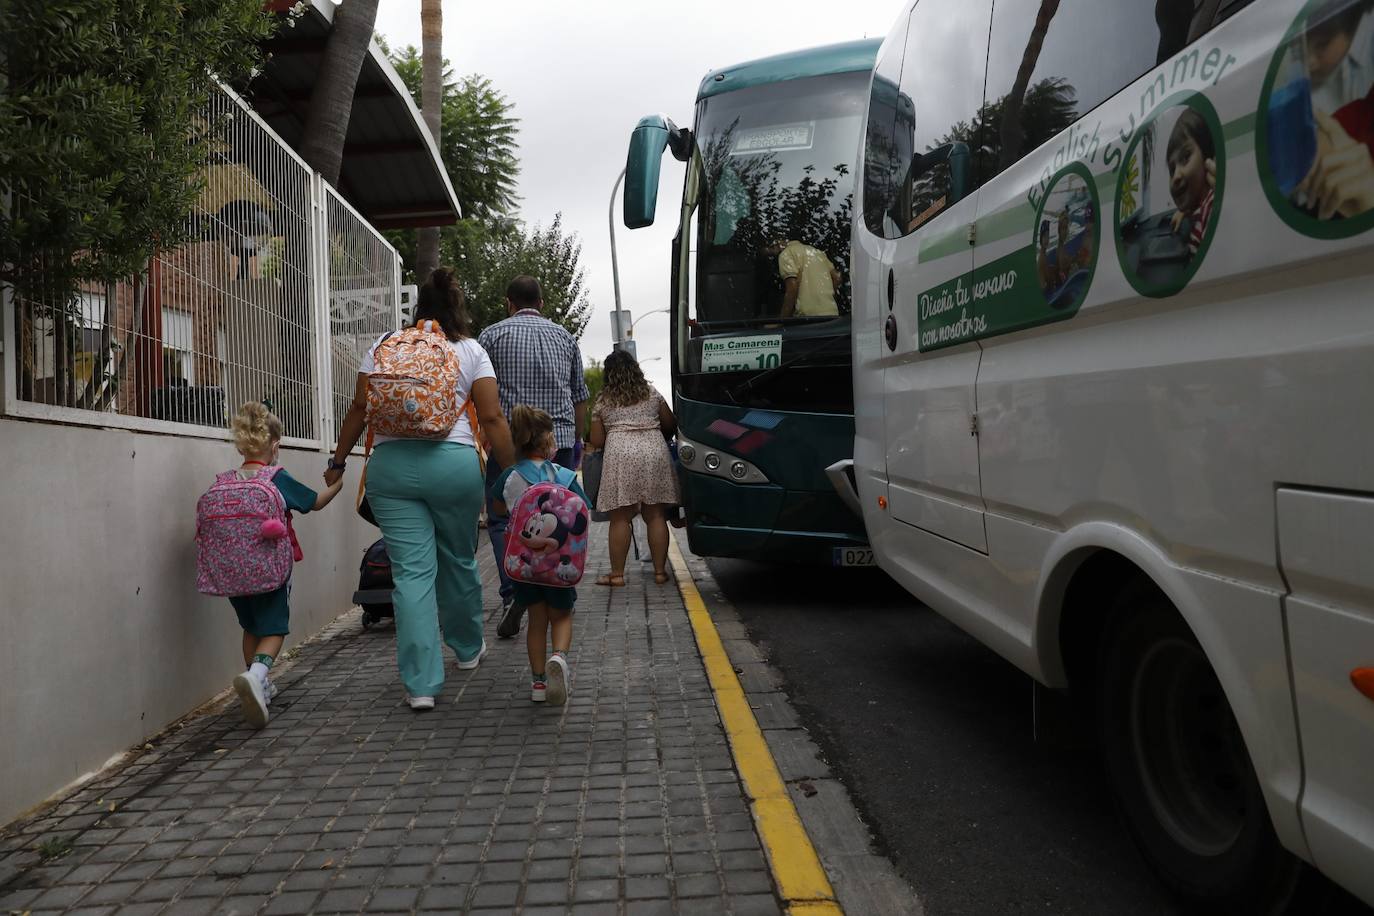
x=426 y=497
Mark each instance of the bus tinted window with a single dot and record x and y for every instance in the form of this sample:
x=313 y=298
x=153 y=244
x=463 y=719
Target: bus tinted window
x=1050 y=64
x=882 y=163
x=943 y=78
x=777 y=199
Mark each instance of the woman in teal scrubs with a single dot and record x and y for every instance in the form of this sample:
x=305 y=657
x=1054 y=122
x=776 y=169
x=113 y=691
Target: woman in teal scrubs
x=425 y=495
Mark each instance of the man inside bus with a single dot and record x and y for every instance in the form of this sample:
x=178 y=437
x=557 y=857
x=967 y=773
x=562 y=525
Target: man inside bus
x=809 y=279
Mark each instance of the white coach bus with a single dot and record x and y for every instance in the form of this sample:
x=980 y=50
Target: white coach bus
x=1114 y=385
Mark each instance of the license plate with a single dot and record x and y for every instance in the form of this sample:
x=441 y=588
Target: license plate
x=853 y=556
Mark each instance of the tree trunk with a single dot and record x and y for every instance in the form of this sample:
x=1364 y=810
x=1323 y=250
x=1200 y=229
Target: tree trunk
x=1011 y=133
x=431 y=106
x=331 y=101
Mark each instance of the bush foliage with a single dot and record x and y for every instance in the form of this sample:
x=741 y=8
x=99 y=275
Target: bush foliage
x=103 y=133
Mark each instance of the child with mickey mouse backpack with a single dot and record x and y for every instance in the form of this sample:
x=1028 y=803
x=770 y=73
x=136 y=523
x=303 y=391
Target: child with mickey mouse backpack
x=546 y=547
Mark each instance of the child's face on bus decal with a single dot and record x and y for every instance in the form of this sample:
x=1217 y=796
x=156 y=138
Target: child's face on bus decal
x=1327 y=46
x=1187 y=174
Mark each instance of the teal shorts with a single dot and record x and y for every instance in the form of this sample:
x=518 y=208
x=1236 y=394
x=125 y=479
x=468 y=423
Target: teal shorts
x=560 y=599
x=268 y=614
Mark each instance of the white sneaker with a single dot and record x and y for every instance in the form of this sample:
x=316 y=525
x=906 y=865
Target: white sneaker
x=253 y=699
x=474 y=661
x=420 y=703
x=559 y=680
x=539 y=691
x=269 y=690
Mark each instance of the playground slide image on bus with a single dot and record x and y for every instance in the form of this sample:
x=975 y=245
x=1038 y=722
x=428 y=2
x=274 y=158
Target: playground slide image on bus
x=1066 y=241
x=1168 y=196
x=1316 y=138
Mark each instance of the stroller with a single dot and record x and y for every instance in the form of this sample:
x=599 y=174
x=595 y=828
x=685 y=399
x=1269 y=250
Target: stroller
x=374 y=585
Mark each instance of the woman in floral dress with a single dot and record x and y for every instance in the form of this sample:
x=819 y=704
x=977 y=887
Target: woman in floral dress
x=637 y=475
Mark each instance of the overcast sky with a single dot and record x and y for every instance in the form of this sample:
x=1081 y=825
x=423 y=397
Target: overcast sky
x=581 y=75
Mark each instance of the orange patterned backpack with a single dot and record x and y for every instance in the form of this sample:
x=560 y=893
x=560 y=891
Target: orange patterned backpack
x=413 y=391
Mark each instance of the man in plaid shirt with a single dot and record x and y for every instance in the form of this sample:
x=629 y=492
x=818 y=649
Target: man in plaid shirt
x=537 y=363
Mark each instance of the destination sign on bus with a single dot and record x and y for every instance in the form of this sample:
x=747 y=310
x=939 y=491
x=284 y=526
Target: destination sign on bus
x=741 y=354
x=773 y=138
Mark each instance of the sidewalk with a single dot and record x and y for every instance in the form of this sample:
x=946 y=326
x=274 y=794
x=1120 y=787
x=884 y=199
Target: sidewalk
x=626 y=801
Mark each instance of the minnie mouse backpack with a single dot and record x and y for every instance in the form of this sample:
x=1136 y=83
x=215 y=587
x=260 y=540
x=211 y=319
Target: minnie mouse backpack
x=546 y=540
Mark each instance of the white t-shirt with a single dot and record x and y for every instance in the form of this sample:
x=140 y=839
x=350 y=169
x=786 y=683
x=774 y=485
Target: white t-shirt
x=473 y=364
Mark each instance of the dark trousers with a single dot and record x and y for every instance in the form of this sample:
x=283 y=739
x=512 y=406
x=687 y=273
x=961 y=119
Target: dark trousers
x=496 y=524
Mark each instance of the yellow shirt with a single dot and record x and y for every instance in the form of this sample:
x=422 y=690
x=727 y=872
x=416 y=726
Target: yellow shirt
x=815 y=289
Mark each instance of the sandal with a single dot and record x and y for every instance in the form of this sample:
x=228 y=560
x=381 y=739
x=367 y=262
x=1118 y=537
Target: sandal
x=613 y=581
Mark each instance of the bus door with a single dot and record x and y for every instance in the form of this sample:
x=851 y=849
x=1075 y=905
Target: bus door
x=929 y=383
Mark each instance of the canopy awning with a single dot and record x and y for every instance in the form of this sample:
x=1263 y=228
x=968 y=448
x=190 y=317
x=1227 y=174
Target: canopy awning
x=392 y=173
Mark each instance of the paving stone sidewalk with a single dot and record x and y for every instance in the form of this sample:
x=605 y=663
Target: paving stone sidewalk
x=626 y=801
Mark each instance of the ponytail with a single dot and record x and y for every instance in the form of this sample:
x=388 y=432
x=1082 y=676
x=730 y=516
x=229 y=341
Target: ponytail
x=441 y=299
x=529 y=427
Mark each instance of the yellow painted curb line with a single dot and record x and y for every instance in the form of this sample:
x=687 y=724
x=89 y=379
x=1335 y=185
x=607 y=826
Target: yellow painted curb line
x=796 y=868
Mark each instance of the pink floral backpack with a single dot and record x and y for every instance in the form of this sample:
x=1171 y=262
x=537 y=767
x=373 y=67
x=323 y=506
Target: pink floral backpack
x=243 y=536
x=546 y=539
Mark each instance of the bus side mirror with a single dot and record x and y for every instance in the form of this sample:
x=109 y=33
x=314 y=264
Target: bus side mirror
x=651 y=137
x=960 y=165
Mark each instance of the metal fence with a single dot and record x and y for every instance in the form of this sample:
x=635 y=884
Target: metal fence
x=277 y=262
x=364 y=296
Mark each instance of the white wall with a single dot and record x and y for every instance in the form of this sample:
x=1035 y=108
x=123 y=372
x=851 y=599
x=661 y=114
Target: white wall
x=103 y=637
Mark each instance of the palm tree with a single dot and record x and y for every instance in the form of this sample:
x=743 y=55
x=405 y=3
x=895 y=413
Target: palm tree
x=1011 y=112
x=331 y=101
x=431 y=106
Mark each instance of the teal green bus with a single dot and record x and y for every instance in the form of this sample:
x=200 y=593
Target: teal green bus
x=760 y=302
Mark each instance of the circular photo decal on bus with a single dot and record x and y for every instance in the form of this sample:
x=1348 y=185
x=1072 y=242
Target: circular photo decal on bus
x=1067 y=233
x=1314 y=140
x=1168 y=195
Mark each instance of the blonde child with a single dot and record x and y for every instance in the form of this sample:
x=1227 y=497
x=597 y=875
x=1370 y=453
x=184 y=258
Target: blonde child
x=550 y=609
x=264 y=618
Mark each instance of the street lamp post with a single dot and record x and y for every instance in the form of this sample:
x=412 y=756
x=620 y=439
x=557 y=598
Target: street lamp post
x=630 y=331
x=615 y=264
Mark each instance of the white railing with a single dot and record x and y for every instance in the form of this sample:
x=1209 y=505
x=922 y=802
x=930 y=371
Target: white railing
x=278 y=262
x=364 y=296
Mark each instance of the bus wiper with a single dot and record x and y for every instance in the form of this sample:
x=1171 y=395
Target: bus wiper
x=753 y=380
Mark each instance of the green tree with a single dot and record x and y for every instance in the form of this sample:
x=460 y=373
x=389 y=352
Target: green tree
x=102 y=128
x=104 y=136
x=488 y=248
x=478 y=137
x=488 y=258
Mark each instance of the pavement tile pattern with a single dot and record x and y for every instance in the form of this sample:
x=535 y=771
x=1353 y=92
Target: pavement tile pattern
x=624 y=802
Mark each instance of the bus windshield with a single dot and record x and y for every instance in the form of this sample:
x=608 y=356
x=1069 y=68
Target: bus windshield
x=773 y=220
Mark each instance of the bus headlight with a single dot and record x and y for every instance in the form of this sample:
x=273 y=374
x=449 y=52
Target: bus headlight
x=698 y=459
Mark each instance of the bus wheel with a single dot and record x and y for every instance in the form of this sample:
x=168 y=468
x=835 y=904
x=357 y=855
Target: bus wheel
x=1178 y=766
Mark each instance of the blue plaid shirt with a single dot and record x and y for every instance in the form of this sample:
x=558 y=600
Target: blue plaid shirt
x=537 y=363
